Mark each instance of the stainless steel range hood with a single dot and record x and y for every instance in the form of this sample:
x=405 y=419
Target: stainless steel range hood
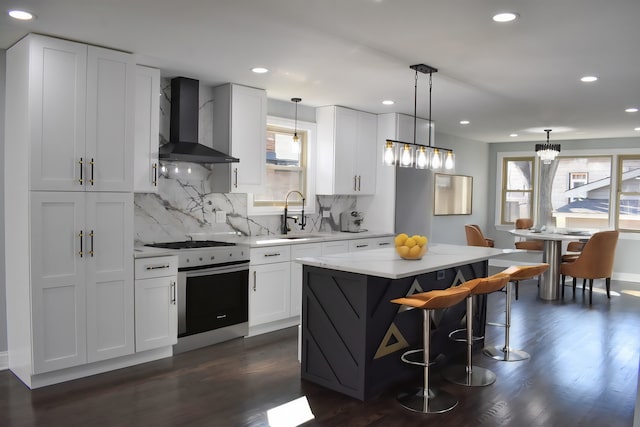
x=183 y=143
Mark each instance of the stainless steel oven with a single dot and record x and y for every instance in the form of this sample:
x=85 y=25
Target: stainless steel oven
x=213 y=292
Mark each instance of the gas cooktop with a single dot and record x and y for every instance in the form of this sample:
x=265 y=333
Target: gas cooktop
x=190 y=244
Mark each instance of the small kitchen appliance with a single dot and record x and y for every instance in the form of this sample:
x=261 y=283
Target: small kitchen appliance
x=350 y=221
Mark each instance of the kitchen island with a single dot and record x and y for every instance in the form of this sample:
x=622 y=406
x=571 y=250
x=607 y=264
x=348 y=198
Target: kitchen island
x=353 y=337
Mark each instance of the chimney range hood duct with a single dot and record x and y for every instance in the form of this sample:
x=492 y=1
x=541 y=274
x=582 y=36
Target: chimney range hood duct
x=183 y=142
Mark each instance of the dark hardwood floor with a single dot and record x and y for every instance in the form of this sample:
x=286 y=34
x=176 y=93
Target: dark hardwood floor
x=583 y=372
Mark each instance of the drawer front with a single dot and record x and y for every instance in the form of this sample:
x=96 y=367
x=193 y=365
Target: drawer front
x=361 y=244
x=383 y=242
x=335 y=247
x=306 y=250
x=147 y=268
x=270 y=254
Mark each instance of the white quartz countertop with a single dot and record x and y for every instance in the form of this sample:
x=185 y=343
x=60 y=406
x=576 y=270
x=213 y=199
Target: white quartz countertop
x=265 y=241
x=387 y=263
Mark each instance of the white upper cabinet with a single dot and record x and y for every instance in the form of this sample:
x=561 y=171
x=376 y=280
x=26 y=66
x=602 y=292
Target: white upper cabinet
x=346 y=156
x=147 y=130
x=240 y=129
x=81 y=116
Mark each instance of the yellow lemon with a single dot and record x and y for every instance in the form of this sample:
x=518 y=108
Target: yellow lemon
x=416 y=237
x=403 y=250
x=422 y=241
x=411 y=242
x=414 y=252
x=400 y=239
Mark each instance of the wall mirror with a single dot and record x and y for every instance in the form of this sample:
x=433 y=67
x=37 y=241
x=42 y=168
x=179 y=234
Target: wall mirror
x=452 y=194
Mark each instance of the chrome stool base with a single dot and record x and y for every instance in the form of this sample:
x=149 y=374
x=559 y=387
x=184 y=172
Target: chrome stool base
x=478 y=377
x=508 y=355
x=433 y=402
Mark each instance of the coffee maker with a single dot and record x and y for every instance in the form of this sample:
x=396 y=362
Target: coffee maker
x=350 y=221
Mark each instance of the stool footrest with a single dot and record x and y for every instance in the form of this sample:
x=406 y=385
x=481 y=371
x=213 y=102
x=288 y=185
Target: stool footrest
x=457 y=331
x=413 y=362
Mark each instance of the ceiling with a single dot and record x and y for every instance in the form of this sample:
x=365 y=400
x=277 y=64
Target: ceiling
x=520 y=77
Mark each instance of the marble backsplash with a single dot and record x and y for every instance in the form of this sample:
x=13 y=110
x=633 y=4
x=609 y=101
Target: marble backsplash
x=185 y=207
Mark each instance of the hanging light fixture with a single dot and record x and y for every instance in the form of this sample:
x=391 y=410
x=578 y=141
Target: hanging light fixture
x=412 y=154
x=547 y=152
x=296 y=139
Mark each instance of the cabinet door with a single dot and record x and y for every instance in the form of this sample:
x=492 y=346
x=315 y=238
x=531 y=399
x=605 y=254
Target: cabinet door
x=58 y=280
x=269 y=293
x=248 y=138
x=299 y=251
x=110 y=117
x=147 y=130
x=335 y=247
x=109 y=227
x=346 y=137
x=57 y=104
x=366 y=153
x=156 y=313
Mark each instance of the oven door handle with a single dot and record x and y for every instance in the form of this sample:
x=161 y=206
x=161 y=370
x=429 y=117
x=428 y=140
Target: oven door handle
x=217 y=270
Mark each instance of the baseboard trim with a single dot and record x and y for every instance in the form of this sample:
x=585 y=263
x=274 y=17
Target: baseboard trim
x=626 y=277
x=4 y=360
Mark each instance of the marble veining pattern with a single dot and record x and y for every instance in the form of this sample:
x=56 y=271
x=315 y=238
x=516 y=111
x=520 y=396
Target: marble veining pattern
x=185 y=206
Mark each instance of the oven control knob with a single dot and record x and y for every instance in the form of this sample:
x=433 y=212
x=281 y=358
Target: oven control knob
x=200 y=258
x=188 y=260
x=212 y=258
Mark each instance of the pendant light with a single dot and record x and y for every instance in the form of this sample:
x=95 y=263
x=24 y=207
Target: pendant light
x=413 y=154
x=547 y=152
x=296 y=139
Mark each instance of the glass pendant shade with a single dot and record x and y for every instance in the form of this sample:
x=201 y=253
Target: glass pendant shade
x=422 y=158
x=449 y=161
x=295 y=144
x=388 y=154
x=436 y=159
x=406 y=156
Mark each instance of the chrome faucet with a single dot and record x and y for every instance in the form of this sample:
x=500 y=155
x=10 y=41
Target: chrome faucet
x=285 y=216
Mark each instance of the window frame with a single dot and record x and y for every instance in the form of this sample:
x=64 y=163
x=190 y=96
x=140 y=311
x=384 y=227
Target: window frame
x=620 y=193
x=275 y=208
x=503 y=185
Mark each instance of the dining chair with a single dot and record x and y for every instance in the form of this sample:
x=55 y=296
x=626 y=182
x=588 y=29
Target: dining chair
x=573 y=251
x=476 y=238
x=594 y=262
x=532 y=245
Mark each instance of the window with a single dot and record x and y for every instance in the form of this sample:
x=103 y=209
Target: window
x=517 y=189
x=288 y=167
x=581 y=200
x=628 y=202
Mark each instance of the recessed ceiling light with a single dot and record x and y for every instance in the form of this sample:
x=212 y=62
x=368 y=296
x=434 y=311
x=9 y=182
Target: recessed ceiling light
x=637 y=129
x=260 y=70
x=588 y=79
x=22 y=15
x=631 y=110
x=505 y=17
x=513 y=135
x=464 y=122
x=388 y=102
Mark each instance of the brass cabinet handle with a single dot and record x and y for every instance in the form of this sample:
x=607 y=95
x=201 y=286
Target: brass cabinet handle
x=155 y=174
x=173 y=292
x=91 y=163
x=359 y=181
x=355 y=182
x=81 y=163
x=254 y=281
x=91 y=251
x=156 y=267
x=81 y=235
x=272 y=254
x=235 y=177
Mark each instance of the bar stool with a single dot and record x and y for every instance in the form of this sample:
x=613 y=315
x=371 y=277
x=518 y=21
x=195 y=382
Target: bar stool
x=516 y=273
x=425 y=399
x=470 y=375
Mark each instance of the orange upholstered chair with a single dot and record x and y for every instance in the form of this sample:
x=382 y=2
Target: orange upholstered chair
x=594 y=262
x=476 y=238
x=532 y=245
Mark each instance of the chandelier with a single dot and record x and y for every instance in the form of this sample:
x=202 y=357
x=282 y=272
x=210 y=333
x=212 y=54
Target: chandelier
x=413 y=154
x=547 y=152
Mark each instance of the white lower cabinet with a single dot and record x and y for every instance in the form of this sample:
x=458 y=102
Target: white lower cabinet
x=269 y=285
x=370 y=243
x=81 y=278
x=156 y=302
x=300 y=251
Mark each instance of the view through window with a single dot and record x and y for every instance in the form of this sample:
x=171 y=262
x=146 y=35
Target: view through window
x=629 y=194
x=517 y=189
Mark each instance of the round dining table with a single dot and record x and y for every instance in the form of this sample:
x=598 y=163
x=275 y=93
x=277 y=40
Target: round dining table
x=552 y=255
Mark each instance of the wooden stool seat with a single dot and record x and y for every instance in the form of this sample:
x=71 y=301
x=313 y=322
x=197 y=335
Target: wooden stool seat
x=515 y=273
x=424 y=399
x=470 y=375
